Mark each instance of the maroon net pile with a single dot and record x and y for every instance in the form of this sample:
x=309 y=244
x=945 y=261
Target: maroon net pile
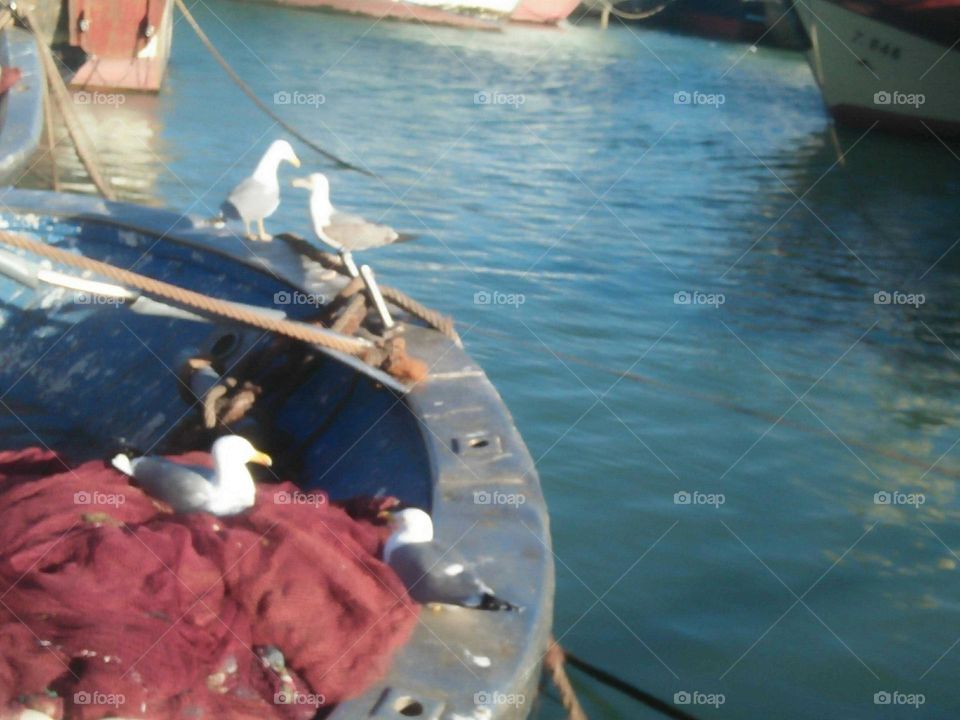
x=111 y=605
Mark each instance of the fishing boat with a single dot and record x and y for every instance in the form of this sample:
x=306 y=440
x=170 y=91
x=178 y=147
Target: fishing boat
x=21 y=107
x=87 y=360
x=468 y=14
x=125 y=44
x=889 y=63
x=543 y=12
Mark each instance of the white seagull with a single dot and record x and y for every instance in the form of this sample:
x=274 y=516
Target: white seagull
x=258 y=196
x=342 y=231
x=427 y=570
x=226 y=490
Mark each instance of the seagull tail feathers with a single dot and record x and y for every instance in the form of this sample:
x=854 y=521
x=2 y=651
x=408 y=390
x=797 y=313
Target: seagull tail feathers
x=122 y=463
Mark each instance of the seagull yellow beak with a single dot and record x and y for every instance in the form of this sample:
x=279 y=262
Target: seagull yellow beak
x=261 y=459
x=383 y=515
x=295 y=161
x=301 y=183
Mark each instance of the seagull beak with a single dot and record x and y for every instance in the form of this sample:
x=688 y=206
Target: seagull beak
x=301 y=183
x=262 y=459
x=295 y=161
x=383 y=515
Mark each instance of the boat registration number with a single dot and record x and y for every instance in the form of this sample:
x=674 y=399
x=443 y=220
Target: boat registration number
x=876 y=45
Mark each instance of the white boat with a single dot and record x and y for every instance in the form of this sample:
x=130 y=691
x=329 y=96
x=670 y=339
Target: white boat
x=886 y=62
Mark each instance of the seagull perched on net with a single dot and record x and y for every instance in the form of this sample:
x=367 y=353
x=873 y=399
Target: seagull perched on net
x=258 y=196
x=226 y=490
x=342 y=231
x=428 y=571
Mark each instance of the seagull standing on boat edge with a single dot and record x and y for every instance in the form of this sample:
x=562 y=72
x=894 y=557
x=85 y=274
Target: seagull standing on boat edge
x=226 y=490
x=258 y=196
x=424 y=567
x=342 y=231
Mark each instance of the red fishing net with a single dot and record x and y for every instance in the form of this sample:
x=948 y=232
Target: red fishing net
x=112 y=606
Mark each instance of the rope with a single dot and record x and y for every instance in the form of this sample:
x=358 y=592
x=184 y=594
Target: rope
x=189 y=298
x=643 y=15
x=248 y=91
x=627 y=689
x=61 y=97
x=435 y=319
x=553 y=661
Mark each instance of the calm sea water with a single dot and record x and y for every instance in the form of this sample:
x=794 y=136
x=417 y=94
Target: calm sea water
x=583 y=199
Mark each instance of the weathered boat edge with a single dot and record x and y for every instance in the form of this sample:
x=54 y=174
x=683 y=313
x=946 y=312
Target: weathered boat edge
x=476 y=455
x=21 y=108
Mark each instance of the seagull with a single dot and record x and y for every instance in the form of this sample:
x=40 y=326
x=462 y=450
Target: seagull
x=426 y=571
x=226 y=490
x=342 y=231
x=258 y=196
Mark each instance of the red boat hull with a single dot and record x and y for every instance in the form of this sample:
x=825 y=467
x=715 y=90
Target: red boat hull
x=127 y=43
x=544 y=12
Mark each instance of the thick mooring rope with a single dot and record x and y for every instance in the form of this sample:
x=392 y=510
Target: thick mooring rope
x=189 y=298
x=248 y=91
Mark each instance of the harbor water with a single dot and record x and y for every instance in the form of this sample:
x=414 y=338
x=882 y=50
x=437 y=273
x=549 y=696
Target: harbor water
x=729 y=337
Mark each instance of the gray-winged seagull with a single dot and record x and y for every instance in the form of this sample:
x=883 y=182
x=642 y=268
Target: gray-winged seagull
x=226 y=490
x=428 y=571
x=342 y=231
x=258 y=196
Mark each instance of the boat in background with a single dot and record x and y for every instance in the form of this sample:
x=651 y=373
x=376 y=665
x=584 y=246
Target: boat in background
x=21 y=107
x=126 y=43
x=470 y=14
x=887 y=62
x=543 y=12
x=768 y=22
